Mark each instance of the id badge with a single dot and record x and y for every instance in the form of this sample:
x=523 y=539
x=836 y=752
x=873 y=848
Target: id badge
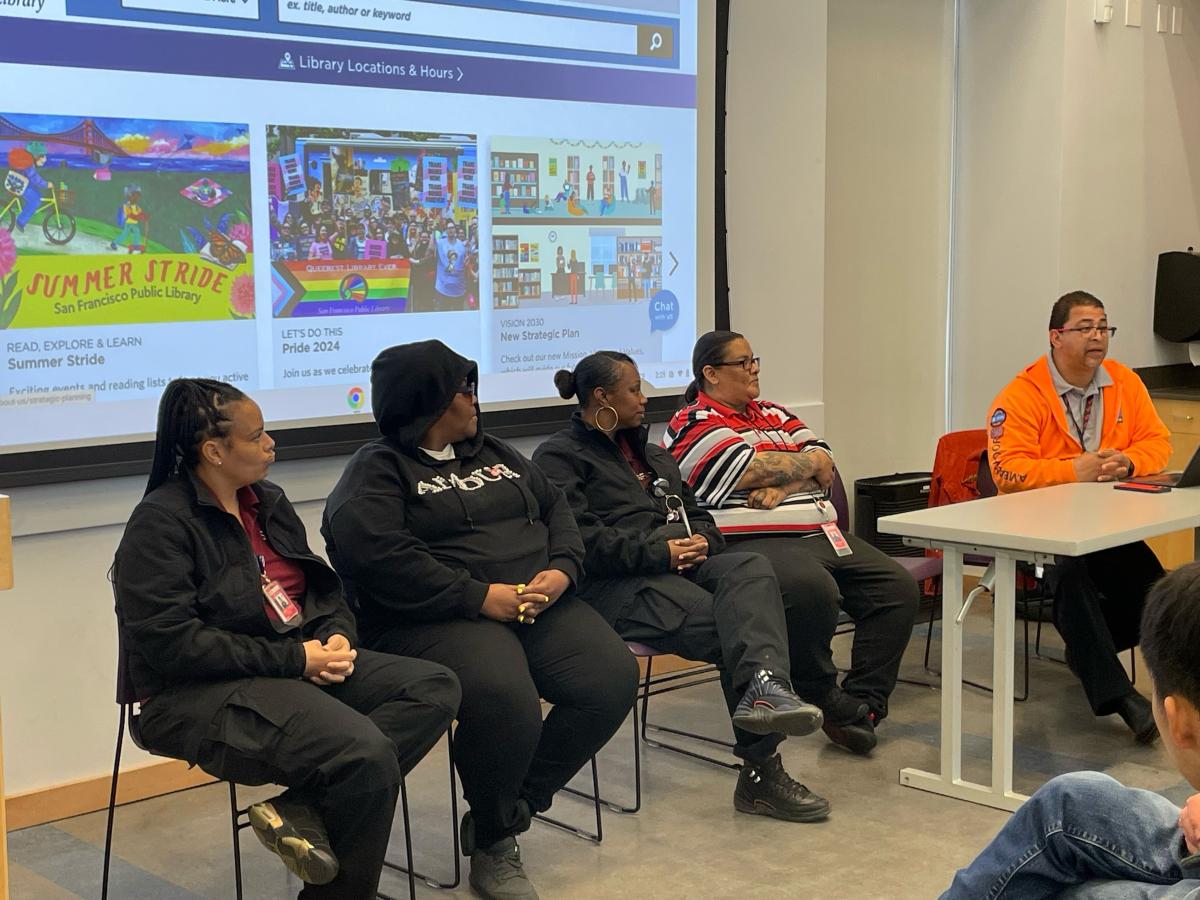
x=836 y=540
x=287 y=610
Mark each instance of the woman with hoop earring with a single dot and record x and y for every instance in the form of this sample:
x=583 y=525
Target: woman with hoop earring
x=658 y=572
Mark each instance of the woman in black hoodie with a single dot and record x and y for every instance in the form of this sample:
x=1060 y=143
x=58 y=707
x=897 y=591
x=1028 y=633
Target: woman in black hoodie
x=458 y=550
x=238 y=642
x=659 y=573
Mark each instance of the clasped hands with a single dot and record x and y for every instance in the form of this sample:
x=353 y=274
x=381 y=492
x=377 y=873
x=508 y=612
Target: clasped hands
x=329 y=663
x=686 y=553
x=523 y=603
x=1103 y=465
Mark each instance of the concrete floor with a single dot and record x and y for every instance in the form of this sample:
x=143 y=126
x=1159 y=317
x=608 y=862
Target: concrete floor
x=882 y=841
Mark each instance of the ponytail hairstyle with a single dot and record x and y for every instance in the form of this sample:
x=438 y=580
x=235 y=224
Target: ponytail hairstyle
x=709 y=349
x=601 y=369
x=191 y=411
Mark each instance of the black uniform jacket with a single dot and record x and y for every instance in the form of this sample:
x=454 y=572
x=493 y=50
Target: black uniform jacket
x=190 y=603
x=624 y=528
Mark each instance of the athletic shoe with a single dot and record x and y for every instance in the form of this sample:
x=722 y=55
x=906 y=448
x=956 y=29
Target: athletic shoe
x=770 y=706
x=296 y=835
x=767 y=790
x=841 y=708
x=857 y=736
x=497 y=873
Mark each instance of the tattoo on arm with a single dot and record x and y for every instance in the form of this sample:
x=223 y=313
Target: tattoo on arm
x=775 y=469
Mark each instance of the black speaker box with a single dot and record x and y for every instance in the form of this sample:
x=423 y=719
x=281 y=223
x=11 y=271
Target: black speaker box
x=886 y=495
x=1177 y=296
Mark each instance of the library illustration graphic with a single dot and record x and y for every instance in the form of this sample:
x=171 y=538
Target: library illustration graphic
x=574 y=222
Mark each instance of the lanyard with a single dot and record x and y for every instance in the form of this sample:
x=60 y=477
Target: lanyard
x=1087 y=416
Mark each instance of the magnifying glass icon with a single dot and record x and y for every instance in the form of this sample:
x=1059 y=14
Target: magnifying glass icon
x=655 y=42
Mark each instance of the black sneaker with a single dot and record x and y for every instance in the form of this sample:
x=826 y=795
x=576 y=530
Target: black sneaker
x=841 y=708
x=770 y=706
x=857 y=736
x=1137 y=713
x=296 y=835
x=767 y=790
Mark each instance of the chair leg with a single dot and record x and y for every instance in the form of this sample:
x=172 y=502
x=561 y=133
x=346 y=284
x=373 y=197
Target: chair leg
x=662 y=745
x=929 y=635
x=594 y=836
x=410 y=869
x=112 y=804
x=234 y=815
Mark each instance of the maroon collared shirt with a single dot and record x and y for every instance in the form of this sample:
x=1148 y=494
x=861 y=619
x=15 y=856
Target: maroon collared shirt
x=288 y=573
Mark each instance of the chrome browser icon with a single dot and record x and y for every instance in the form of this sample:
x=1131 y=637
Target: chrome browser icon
x=355 y=397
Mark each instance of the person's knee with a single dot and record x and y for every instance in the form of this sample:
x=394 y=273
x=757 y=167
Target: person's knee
x=610 y=683
x=748 y=565
x=506 y=701
x=370 y=760
x=1078 y=794
x=438 y=687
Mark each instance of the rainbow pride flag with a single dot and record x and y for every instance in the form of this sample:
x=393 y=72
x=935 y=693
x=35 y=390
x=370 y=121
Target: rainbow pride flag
x=338 y=287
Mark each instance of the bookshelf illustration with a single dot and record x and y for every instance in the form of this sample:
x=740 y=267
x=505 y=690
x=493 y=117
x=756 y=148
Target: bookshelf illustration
x=521 y=169
x=639 y=260
x=530 y=283
x=506 y=283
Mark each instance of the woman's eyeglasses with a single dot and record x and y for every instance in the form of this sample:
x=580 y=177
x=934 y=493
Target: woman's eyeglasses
x=749 y=363
x=467 y=389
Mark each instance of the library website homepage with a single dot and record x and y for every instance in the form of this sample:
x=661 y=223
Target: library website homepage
x=304 y=183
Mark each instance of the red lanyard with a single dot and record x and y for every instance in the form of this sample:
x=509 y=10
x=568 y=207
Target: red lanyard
x=1087 y=417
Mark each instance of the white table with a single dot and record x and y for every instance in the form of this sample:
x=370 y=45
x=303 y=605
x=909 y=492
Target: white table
x=1032 y=526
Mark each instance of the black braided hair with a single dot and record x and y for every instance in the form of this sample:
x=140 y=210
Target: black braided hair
x=191 y=411
x=601 y=369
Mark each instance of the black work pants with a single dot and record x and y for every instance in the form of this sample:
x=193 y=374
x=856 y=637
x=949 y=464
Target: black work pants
x=503 y=750
x=1098 y=600
x=875 y=591
x=340 y=749
x=725 y=611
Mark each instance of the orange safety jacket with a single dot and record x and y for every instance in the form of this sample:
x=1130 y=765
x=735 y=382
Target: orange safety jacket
x=1030 y=445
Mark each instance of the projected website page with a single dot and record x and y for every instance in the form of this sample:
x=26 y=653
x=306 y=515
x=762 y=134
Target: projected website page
x=269 y=192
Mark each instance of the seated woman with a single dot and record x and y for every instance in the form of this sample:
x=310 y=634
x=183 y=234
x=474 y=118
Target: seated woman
x=765 y=476
x=240 y=644
x=458 y=550
x=661 y=578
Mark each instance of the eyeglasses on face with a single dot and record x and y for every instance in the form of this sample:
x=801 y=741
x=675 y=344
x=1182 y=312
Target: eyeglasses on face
x=749 y=363
x=1089 y=330
x=467 y=390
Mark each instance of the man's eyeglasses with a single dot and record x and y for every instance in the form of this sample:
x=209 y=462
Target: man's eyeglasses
x=1089 y=330
x=749 y=363
x=467 y=389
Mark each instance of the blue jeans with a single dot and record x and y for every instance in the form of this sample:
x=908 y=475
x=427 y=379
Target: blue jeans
x=1084 y=827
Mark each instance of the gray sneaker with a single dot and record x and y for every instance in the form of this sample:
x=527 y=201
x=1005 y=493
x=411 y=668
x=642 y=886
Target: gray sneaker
x=497 y=873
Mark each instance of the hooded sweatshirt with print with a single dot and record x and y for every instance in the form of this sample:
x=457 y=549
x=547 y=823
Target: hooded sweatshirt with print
x=419 y=539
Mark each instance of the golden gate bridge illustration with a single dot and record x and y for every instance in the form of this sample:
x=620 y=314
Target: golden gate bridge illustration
x=87 y=134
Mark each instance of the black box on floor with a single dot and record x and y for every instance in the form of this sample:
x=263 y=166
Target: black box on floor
x=887 y=495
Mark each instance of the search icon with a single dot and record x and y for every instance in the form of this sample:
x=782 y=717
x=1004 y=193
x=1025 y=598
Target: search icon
x=656 y=40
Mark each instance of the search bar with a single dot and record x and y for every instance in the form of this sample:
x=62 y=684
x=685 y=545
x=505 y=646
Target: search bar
x=228 y=9
x=418 y=17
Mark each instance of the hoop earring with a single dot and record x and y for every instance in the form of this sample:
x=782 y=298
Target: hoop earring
x=616 y=418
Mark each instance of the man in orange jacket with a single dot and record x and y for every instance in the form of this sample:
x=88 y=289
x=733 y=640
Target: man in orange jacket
x=1075 y=416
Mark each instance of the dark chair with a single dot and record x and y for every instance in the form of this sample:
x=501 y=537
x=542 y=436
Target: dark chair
x=127 y=701
x=919 y=567
x=128 y=704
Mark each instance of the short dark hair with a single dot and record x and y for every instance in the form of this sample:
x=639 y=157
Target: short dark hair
x=601 y=369
x=1171 y=633
x=709 y=349
x=1061 y=311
